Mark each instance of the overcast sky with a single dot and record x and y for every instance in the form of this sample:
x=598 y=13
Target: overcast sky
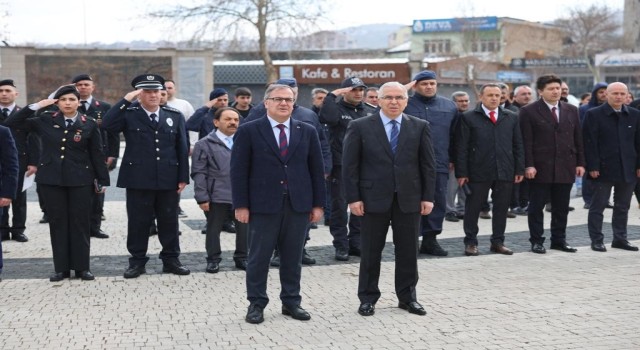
x=108 y=21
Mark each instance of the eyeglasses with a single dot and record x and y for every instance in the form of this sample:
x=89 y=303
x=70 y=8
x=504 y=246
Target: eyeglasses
x=279 y=100
x=392 y=98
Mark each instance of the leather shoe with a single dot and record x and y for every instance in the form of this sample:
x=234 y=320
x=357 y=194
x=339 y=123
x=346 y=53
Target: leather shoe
x=538 y=248
x=19 y=237
x=587 y=206
x=367 y=309
x=624 y=245
x=342 y=254
x=485 y=215
x=241 y=264
x=413 y=307
x=296 y=312
x=564 y=247
x=500 y=249
x=100 y=234
x=45 y=219
x=85 y=275
x=431 y=246
x=353 y=251
x=470 y=250
x=59 y=276
x=134 y=271
x=255 y=314
x=511 y=215
x=598 y=247
x=307 y=259
x=229 y=227
x=153 y=230
x=176 y=268
x=451 y=216
x=213 y=267
x=275 y=260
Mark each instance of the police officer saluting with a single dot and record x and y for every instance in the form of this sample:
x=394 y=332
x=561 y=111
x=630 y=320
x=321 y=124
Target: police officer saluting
x=154 y=170
x=71 y=168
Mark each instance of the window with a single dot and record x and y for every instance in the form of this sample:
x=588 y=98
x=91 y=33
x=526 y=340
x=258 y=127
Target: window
x=485 y=45
x=437 y=46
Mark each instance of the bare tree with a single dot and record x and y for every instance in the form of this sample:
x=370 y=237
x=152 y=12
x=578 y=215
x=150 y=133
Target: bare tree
x=589 y=31
x=238 y=19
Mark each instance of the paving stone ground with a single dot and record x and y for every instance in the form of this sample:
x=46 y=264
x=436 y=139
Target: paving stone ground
x=586 y=300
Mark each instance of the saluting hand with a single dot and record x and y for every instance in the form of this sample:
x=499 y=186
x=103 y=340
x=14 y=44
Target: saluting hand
x=341 y=91
x=409 y=85
x=132 y=95
x=46 y=102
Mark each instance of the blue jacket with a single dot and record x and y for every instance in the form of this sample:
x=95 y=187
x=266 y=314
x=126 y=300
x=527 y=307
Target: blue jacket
x=202 y=121
x=440 y=112
x=593 y=102
x=153 y=159
x=258 y=172
x=612 y=143
x=305 y=115
x=8 y=165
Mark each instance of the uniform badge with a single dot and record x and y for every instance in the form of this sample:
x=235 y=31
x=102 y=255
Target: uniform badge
x=56 y=126
x=77 y=137
x=169 y=121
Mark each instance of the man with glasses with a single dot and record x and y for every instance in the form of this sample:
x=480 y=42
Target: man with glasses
x=337 y=113
x=440 y=112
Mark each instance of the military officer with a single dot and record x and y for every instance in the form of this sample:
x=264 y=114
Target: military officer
x=154 y=170
x=28 y=147
x=96 y=109
x=71 y=168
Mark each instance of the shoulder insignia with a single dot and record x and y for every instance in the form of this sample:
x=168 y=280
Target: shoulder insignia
x=171 y=109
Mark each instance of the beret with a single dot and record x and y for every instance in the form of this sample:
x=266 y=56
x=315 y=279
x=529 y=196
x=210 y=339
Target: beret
x=81 y=77
x=217 y=92
x=287 y=81
x=66 y=89
x=7 y=82
x=425 y=75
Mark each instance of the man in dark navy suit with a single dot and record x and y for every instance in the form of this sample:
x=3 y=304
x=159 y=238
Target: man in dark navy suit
x=8 y=174
x=154 y=170
x=390 y=176
x=277 y=182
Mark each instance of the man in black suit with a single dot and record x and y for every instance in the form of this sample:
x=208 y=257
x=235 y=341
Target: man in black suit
x=8 y=174
x=389 y=171
x=277 y=186
x=154 y=170
x=611 y=134
x=96 y=109
x=489 y=155
x=28 y=146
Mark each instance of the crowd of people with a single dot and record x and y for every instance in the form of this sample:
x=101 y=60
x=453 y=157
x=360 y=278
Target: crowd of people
x=363 y=158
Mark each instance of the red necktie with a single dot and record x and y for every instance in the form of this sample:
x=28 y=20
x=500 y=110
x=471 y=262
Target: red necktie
x=555 y=115
x=492 y=116
x=282 y=141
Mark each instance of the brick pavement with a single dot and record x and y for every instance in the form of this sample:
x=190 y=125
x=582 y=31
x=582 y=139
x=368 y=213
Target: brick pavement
x=586 y=300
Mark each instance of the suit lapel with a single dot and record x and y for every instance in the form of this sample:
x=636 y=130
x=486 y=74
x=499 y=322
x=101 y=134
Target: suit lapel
x=267 y=132
x=381 y=134
x=545 y=112
x=405 y=129
x=295 y=135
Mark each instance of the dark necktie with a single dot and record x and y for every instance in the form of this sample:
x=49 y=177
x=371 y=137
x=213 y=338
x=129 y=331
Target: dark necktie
x=5 y=112
x=284 y=147
x=492 y=116
x=83 y=106
x=69 y=123
x=154 y=120
x=393 y=138
x=555 y=114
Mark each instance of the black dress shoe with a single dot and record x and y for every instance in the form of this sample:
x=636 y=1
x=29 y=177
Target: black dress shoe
x=586 y=206
x=275 y=260
x=203 y=231
x=366 y=309
x=564 y=247
x=307 y=259
x=229 y=227
x=608 y=206
x=571 y=208
x=19 y=237
x=538 y=248
x=342 y=254
x=431 y=246
x=176 y=268
x=85 y=275
x=153 y=230
x=45 y=219
x=511 y=215
x=413 y=307
x=598 y=247
x=624 y=245
x=134 y=271
x=102 y=217
x=353 y=251
x=213 y=267
x=181 y=213
x=100 y=234
x=296 y=312
x=59 y=276
x=242 y=264
x=451 y=217
x=255 y=314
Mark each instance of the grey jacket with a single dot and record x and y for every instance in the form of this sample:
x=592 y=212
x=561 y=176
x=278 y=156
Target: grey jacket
x=210 y=170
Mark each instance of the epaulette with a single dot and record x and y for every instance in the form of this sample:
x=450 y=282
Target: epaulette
x=133 y=108
x=88 y=117
x=171 y=109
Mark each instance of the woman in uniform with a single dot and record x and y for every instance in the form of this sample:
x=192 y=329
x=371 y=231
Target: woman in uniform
x=71 y=167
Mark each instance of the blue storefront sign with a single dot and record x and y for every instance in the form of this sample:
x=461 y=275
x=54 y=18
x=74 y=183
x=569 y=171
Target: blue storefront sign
x=455 y=24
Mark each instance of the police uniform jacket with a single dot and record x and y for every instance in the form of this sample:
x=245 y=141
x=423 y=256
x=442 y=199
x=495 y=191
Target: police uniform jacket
x=110 y=141
x=27 y=143
x=70 y=157
x=8 y=165
x=154 y=159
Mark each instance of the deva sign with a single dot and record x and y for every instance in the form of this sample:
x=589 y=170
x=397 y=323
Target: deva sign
x=455 y=24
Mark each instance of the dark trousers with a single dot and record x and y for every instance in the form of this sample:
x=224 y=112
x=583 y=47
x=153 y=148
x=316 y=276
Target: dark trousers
x=559 y=195
x=622 y=192
x=69 y=211
x=500 y=196
x=96 y=212
x=2 y=209
x=520 y=195
x=18 y=210
x=216 y=216
x=285 y=230
x=587 y=189
x=141 y=206
x=432 y=223
x=405 y=228
x=342 y=238
x=40 y=199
